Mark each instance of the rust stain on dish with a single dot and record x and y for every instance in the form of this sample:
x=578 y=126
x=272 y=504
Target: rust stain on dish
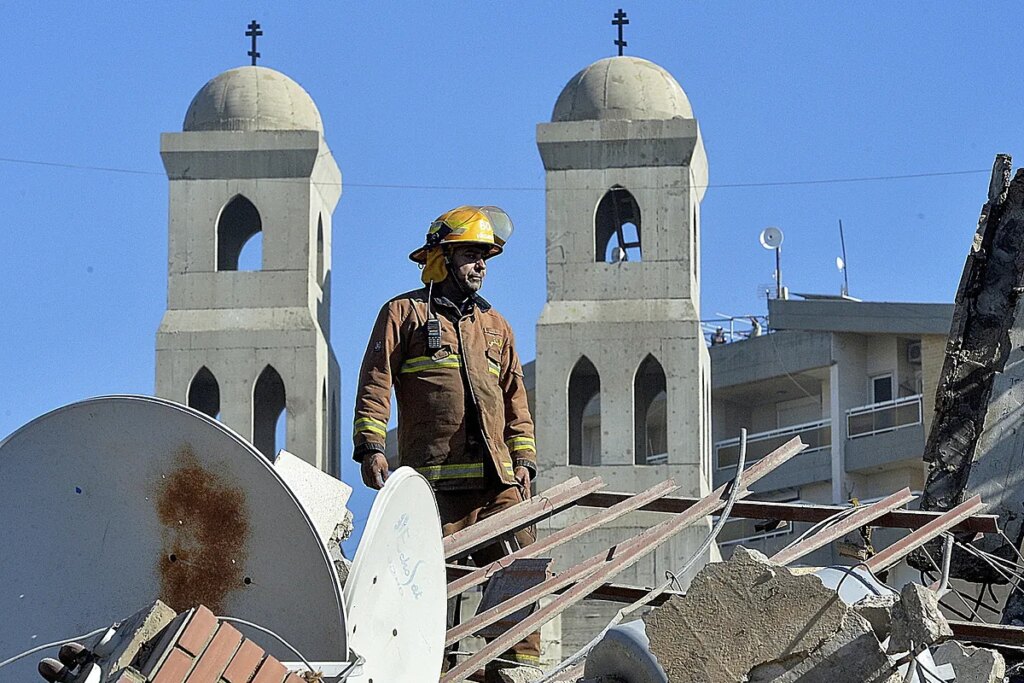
x=206 y=528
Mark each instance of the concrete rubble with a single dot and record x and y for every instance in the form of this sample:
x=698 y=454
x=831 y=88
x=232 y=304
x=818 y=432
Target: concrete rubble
x=749 y=619
x=917 y=620
x=971 y=664
x=519 y=674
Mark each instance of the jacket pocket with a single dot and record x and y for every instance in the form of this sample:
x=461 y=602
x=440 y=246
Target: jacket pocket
x=494 y=362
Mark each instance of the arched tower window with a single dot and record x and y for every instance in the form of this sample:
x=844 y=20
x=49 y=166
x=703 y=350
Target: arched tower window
x=617 y=227
x=650 y=414
x=320 y=251
x=268 y=412
x=204 y=393
x=238 y=225
x=584 y=414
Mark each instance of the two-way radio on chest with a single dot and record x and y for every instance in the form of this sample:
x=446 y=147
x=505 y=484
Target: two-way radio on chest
x=433 y=324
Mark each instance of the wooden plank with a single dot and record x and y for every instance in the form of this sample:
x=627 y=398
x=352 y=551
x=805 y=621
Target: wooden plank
x=915 y=539
x=854 y=521
x=474 y=577
x=799 y=512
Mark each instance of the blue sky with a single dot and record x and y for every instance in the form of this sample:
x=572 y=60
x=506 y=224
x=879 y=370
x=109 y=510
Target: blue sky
x=448 y=95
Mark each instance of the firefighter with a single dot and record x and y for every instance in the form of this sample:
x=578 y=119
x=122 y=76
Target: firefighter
x=463 y=419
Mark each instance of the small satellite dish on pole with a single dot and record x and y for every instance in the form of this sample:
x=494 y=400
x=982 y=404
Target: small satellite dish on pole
x=841 y=267
x=771 y=238
x=619 y=255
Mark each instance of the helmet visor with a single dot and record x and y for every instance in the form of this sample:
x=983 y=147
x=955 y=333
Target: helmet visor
x=500 y=223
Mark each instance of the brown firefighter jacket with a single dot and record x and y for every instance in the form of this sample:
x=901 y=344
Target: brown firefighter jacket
x=432 y=399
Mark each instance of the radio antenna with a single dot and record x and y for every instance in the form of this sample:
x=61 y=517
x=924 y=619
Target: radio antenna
x=841 y=262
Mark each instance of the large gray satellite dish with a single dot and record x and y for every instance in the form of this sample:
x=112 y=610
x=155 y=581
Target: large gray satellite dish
x=396 y=593
x=110 y=503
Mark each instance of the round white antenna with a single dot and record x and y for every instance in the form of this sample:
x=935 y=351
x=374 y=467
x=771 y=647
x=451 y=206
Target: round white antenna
x=396 y=594
x=111 y=503
x=771 y=238
x=619 y=255
x=839 y=263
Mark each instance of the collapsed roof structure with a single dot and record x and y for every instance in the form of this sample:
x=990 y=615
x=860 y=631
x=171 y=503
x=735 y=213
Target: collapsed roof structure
x=196 y=515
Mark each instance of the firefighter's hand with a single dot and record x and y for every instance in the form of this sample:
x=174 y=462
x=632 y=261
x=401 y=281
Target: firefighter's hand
x=522 y=476
x=375 y=470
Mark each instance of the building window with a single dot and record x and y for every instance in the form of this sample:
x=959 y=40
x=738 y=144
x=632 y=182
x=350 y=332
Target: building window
x=269 y=414
x=204 y=393
x=239 y=229
x=617 y=227
x=650 y=414
x=584 y=414
x=881 y=388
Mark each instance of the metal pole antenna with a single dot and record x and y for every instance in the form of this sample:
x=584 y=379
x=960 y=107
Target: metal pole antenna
x=778 y=272
x=842 y=242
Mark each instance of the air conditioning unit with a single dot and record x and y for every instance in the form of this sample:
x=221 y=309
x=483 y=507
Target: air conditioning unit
x=914 y=353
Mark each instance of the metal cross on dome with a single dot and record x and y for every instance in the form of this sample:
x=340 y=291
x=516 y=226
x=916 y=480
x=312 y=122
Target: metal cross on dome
x=254 y=32
x=620 y=20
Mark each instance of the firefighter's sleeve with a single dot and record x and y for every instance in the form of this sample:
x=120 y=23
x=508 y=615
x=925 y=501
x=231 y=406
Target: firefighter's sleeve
x=373 y=396
x=519 y=437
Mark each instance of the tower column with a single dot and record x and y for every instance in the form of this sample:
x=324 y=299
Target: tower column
x=626 y=170
x=252 y=188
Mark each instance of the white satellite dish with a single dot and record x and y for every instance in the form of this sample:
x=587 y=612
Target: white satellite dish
x=619 y=255
x=396 y=593
x=771 y=238
x=839 y=263
x=113 y=502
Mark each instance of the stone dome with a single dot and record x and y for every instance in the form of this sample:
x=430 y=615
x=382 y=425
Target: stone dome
x=622 y=88
x=252 y=98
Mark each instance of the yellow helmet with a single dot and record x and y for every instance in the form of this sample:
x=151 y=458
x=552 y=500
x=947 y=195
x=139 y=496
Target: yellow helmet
x=487 y=225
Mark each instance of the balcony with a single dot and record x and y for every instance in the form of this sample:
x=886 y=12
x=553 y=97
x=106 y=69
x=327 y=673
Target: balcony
x=887 y=416
x=817 y=435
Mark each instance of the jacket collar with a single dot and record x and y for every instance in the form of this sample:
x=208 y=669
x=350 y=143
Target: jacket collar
x=467 y=305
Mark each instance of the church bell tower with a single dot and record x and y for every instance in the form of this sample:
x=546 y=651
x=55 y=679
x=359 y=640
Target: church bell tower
x=246 y=334
x=622 y=372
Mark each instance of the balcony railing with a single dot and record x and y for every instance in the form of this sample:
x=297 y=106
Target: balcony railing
x=816 y=435
x=746 y=531
x=886 y=416
x=657 y=459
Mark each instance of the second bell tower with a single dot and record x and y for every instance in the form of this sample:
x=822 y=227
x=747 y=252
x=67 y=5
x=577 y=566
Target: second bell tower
x=246 y=335
x=623 y=373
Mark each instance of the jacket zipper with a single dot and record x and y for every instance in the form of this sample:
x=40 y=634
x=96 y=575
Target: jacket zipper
x=469 y=383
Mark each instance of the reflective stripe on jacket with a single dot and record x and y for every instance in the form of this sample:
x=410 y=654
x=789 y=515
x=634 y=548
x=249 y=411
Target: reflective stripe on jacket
x=431 y=393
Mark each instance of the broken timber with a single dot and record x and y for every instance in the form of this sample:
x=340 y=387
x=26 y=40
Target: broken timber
x=798 y=512
x=855 y=521
x=591 y=578
x=915 y=539
x=590 y=575
x=558 y=498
